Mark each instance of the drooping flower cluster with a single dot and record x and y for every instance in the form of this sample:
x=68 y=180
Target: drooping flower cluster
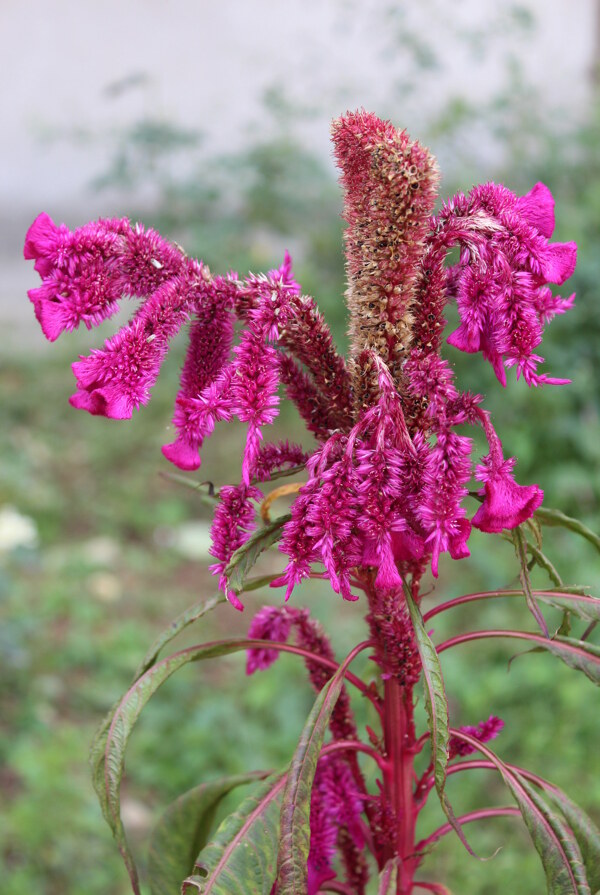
x=387 y=483
x=483 y=732
x=336 y=803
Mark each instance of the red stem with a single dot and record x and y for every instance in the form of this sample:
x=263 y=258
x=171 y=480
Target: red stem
x=484 y=635
x=490 y=766
x=466 y=819
x=436 y=888
x=356 y=746
x=399 y=739
x=314 y=657
x=334 y=886
x=489 y=595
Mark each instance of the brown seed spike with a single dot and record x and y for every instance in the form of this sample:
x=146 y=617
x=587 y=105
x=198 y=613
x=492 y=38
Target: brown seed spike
x=390 y=186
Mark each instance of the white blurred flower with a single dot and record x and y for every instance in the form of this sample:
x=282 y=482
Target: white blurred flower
x=16 y=530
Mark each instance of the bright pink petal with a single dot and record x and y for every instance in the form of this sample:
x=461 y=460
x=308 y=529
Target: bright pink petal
x=559 y=262
x=537 y=207
x=506 y=504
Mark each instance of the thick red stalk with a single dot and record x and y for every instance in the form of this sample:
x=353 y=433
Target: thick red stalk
x=399 y=741
x=398 y=807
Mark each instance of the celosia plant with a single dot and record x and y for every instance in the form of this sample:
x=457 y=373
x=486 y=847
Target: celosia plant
x=385 y=494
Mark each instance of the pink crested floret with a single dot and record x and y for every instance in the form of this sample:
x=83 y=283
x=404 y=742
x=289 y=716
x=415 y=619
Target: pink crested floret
x=506 y=504
x=78 y=273
x=183 y=454
x=500 y=282
x=42 y=243
x=537 y=207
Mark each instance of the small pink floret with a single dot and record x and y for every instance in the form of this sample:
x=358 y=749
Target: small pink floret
x=182 y=454
x=506 y=504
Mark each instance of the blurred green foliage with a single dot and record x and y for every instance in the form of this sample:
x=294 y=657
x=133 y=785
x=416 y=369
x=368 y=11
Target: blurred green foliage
x=121 y=550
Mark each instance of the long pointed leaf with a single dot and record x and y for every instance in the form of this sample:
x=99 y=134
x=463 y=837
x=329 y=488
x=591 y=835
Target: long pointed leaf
x=388 y=878
x=186 y=618
x=551 y=517
x=577 y=654
x=560 y=878
x=240 y=860
x=209 y=497
x=554 y=842
x=108 y=763
x=108 y=753
x=546 y=564
x=294 y=842
x=193 y=614
x=436 y=705
x=521 y=545
x=183 y=830
x=570 y=599
x=585 y=831
x=587 y=608
x=245 y=557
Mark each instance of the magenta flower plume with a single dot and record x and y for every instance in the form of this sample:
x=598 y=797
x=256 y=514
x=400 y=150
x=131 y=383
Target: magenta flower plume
x=233 y=524
x=278 y=457
x=384 y=497
x=335 y=806
x=79 y=271
x=197 y=405
x=506 y=504
x=86 y=272
x=390 y=185
x=269 y=623
x=483 y=732
x=500 y=281
x=117 y=380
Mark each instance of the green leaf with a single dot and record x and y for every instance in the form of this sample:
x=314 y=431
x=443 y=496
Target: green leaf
x=553 y=840
x=544 y=563
x=388 y=878
x=555 y=518
x=96 y=760
x=294 y=842
x=187 y=617
x=536 y=529
x=183 y=830
x=587 y=608
x=585 y=831
x=108 y=752
x=191 y=615
x=246 y=556
x=209 y=497
x=240 y=860
x=521 y=545
x=436 y=705
x=577 y=654
x=281 y=474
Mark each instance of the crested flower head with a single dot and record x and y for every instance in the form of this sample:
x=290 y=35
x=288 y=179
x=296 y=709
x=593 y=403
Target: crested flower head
x=384 y=495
